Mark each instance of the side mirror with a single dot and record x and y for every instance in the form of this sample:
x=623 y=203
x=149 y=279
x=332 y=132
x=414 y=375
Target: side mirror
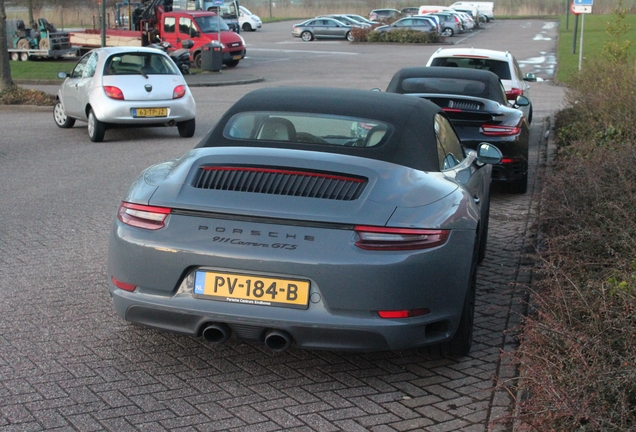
x=62 y=75
x=530 y=77
x=488 y=154
x=522 y=101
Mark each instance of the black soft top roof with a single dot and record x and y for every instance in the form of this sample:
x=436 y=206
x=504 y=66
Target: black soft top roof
x=492 y=83
x=412 y=142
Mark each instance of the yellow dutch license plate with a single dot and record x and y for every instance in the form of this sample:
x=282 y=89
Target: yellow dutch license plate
x=150 y=112
x=249 y=289
x=237 y=57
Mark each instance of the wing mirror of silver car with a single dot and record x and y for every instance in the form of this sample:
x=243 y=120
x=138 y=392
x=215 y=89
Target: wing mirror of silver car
x=522 y=101
x=488 y=154
x=62 y=75
x=530 y=77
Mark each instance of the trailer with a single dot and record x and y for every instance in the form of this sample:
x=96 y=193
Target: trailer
x=41 y=41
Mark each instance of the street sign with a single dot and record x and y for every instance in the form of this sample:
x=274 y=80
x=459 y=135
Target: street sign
x=583 y=2
x=578 y=9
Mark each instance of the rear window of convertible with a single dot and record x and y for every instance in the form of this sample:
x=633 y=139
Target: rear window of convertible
x=307 y=128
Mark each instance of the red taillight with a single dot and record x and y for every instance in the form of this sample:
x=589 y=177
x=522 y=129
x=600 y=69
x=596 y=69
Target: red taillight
x=123 y=285
x=395 y=239
x=114 y=92
x=512 y=94
x=497 y=130
x=510 y=161
x=143 y=216
x=407 y=313
x=178 y=92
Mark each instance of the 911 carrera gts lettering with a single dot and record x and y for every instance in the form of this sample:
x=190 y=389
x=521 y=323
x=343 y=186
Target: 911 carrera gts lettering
x=240 y=242
x=256 y=233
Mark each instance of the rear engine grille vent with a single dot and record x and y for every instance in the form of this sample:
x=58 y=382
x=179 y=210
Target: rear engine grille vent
x=464 y=105
x=457 y=104
x=276 y=181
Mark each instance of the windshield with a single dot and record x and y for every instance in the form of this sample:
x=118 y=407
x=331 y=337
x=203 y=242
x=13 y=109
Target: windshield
x=210 y=24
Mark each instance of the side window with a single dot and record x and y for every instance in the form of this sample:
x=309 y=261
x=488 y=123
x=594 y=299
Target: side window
x=449 y=149
x=91 y=66
x=184 y=25
x=169 y=24
x=78 y=70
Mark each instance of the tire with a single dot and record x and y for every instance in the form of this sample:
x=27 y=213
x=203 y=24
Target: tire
x=186 y=128
x=44 y=44
x=23 y=44
x=60 y=117
x=15 y=56
x=247 y=27
x=462 y=341
x=483 y=237
x=520 y=186
x=307 y=36
x=232 y=63
x=448 y=32
x=24 y=56
x=96 y=128
x=350 y=37
x=197 y=61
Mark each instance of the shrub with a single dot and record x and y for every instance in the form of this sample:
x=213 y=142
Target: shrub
x=578 y=348
x=16 y=95
x=403 y=36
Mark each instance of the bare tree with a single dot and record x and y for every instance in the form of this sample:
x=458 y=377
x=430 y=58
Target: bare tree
x=5 y=67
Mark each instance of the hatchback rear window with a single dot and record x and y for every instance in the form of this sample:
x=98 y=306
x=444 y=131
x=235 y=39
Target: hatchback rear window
x=139 y=63
x=307 y=128
x=498 y=67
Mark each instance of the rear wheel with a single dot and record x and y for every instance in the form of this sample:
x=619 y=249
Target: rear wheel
x=24 y=56
x=306 y=36
x=15 y=56
x=186 y=128
x=96 y=128
x=460 y=344
x=350 y=37
x=520 y=186
x=448 y=32
x=60 y=117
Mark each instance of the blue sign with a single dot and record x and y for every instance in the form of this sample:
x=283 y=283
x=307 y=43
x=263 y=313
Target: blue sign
x=583 y=2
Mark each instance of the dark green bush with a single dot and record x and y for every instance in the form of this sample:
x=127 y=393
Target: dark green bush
x=403 y=36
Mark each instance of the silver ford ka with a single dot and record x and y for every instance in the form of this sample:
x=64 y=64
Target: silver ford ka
x=125 y=86
x=287 y=226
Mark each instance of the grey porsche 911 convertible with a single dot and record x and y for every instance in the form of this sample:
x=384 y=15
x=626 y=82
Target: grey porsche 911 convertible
x=291 y=226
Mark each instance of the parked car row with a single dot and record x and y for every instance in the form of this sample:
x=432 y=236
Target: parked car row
x=457 y=18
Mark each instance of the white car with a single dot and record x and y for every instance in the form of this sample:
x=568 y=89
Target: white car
x=502 y=63
x=125 y=86
x=248 y=21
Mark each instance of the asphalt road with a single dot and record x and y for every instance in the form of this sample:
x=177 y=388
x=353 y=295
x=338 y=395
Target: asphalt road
x=68 y=363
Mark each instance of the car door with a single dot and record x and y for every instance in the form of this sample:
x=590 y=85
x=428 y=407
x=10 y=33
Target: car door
x=169 y=33
x=422 y=25
x=72 y=86
x=334 y=29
